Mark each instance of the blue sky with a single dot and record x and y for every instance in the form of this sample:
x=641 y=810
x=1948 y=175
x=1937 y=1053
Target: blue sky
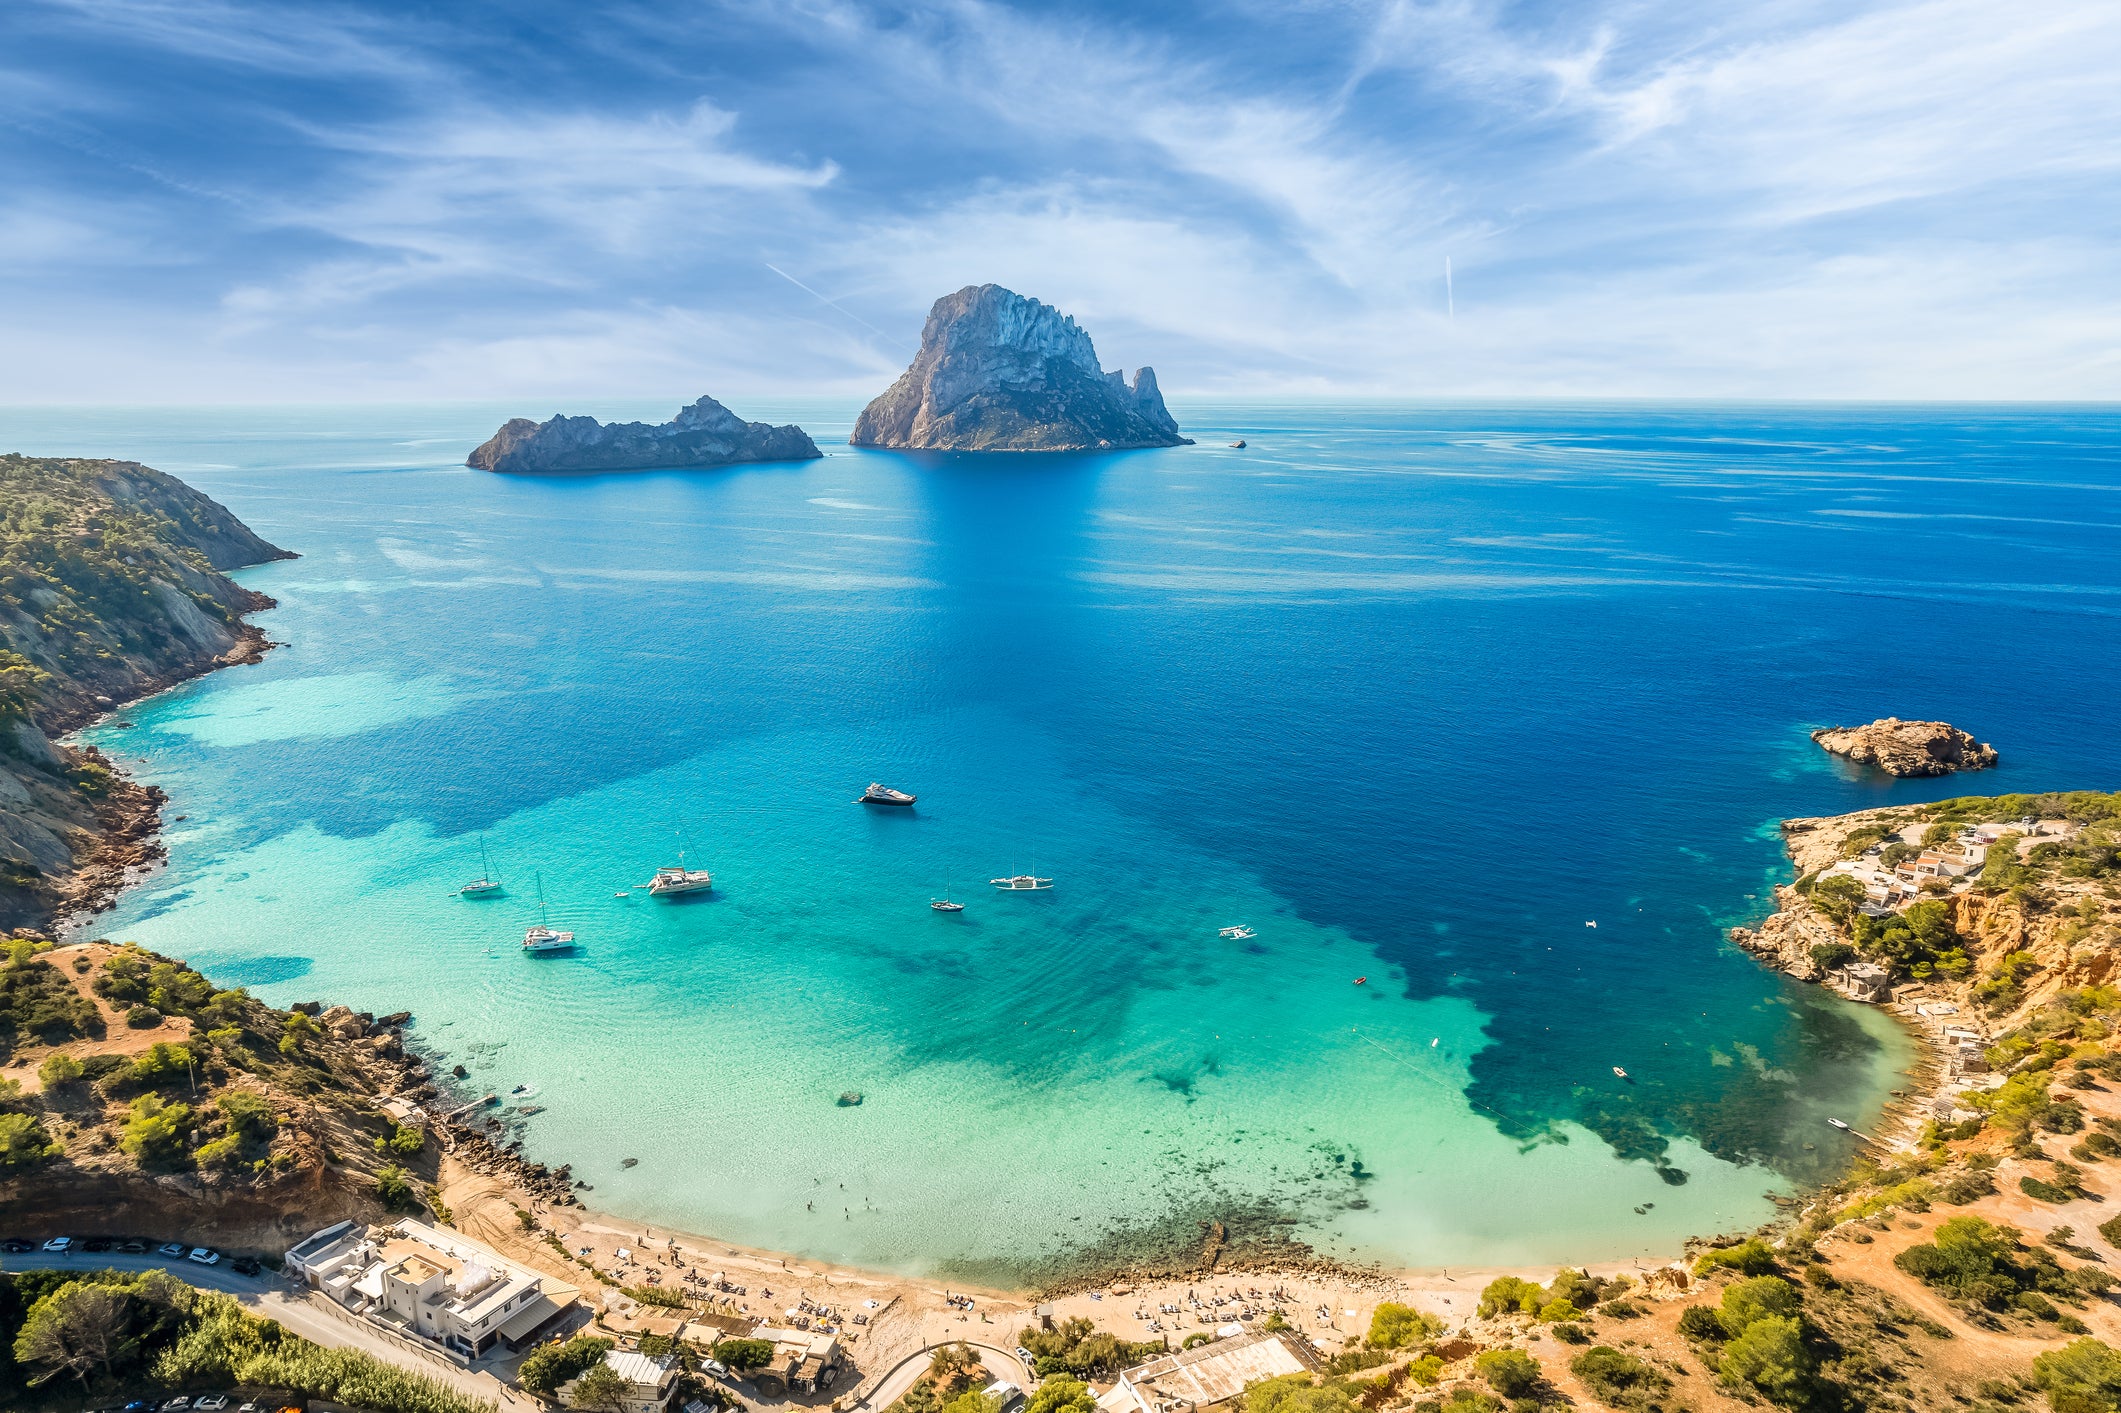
x=226 y=201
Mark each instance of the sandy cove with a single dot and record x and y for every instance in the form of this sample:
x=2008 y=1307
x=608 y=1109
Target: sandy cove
x=912 y=1313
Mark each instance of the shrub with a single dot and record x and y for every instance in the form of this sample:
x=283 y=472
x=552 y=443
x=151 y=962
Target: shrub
x=155 y=1131
x=1555 y=1310
x=1753 y=1300
x=23 y=1142
x=1969 y=1186
x=1618 y=1380
x=1832 y=956
x=2084 y=1376
x=393 y=1188
x=59 y=1068
x=1751 y=1257
x=1510 y=1372
x=1771 y=1357
x=548 y=1366
x=143 y=1017
x=2041 y=1191
x=1397 y=1326
x=1295 y=1393
x=1700 y=1322
x=2111 y=1230
x=742 y=1354
x=656 y=1295
x=1508 y=1294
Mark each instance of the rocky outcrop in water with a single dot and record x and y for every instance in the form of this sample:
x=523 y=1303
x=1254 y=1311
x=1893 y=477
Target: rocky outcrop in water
x=702 y=435
x=999 y=372
x=1908 y=747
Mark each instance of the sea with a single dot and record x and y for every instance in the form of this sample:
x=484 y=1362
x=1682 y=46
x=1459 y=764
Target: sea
x=1481 y=719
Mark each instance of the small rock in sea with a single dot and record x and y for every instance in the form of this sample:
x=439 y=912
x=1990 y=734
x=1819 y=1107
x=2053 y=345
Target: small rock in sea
x=628 y=1162
x=851 y=1098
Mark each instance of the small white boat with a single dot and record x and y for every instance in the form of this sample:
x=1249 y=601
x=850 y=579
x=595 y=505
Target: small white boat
x=485 y=885
x=1619 y=1073
x=884 y=795
x=1840 y=1125
x=1237 y=934
x=1590 y=924
x=679 y=879
x=1021 y=883
x=944 y=905
x=544 y=938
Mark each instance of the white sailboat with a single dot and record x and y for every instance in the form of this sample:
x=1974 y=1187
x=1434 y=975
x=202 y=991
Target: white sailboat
x=543 y=938
x=679 y=879
x=485 y=885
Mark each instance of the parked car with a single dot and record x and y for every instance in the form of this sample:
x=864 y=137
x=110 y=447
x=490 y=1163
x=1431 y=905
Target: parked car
x=251 y=1405
x=97 y=1243
x=211 y=1402
x=715 y=1367
x=15 y=1246
x=59 y=1245
x=205 y=1256
x=140 y=1405
x=246 y=1266
x=1030 y=1359
x=173 y=1249
x=177 y=1405
x=134 y=1247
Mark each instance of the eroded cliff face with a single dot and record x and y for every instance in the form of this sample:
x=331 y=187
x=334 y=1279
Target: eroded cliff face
x=999 y=372
x=705 y=434
x=112 y=587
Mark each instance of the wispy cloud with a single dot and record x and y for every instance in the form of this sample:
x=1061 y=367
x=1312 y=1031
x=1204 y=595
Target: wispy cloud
x=1894 y=198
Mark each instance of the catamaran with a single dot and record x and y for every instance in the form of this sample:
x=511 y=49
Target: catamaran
x=543 y=938
x=485 y=885
x=679 y=879
x=1237 y=934
x=1021 y=883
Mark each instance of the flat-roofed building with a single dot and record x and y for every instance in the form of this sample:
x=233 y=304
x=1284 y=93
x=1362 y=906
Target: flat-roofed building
x=443 y=1287
x=1209 y=1375
x=649 y=1381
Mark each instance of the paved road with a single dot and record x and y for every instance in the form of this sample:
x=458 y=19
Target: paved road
x=999 y=1362
x=312 y=1319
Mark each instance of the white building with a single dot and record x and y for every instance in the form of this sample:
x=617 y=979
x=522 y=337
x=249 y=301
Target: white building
x=649 y=1382
x=1208 y=1376
x=438 y=1286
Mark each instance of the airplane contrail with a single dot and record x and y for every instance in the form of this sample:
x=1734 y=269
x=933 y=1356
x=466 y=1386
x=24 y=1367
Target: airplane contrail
x=822 y=300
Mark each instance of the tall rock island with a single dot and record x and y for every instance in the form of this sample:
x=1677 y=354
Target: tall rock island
x=704 y=434
x=999 y=372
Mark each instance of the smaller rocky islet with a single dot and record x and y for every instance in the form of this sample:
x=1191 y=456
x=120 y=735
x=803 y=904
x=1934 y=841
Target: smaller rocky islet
x=1907 y=748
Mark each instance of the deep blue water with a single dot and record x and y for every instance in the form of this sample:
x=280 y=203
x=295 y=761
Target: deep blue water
x=1415 y=691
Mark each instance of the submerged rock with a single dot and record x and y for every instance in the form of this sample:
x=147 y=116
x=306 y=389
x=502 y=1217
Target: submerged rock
x=999 y=372
x=704 y=434
x=1908 y=747
x=848 y=1100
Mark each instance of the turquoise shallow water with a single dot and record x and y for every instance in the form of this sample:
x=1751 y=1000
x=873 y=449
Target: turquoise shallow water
x=1413 y=692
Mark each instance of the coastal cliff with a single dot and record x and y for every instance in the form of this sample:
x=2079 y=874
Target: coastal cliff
x=1907 y=748
x=112 y=587
x=999 y=372
x=703 y=435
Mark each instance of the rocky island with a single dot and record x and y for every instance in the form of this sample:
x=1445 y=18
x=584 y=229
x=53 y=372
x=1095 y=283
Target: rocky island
x=111 y=588
x=703 y=435
x=999 y=372
x=1907 y=747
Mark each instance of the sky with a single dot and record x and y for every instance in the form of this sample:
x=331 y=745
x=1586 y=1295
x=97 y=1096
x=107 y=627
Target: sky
x=223 y=201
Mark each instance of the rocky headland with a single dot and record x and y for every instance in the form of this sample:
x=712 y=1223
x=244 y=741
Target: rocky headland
x=999 y=372
x=705 y=434
x=1907 y=747
x=112 y=587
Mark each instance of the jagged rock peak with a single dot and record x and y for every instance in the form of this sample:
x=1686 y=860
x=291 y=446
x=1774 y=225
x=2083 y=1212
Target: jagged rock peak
x=1908 y=747
x=704 y=434
x=999 y=372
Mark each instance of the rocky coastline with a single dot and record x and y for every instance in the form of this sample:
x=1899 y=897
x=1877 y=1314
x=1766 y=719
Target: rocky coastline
x=73 y=828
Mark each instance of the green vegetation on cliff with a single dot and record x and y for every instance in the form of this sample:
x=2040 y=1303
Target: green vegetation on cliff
x=112 y=586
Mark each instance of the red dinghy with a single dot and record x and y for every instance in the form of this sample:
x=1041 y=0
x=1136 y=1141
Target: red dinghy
x=1360 y=980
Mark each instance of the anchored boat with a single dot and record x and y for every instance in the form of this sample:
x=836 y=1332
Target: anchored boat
x=884 y=795
x=485 y=885
x=543 y=938
x=1237 y=934
x=1022 y=883
x=679 y=879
